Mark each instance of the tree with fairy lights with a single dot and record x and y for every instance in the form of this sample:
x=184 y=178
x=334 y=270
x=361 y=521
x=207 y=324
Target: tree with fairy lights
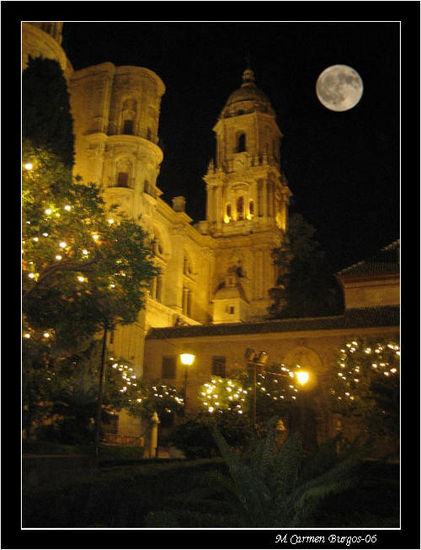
x=71 y=390
x=84 y=268
x=276 y=390
x=165 y=399
x=364 y=384
x=82 y=263
x=72 y=394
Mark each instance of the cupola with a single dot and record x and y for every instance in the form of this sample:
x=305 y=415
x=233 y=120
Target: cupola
x=230 y=304
x=247 y=99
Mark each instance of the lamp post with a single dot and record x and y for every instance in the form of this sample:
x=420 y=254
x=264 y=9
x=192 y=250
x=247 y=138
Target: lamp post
x=304 y=417
x=255 y=360
x=187 y=359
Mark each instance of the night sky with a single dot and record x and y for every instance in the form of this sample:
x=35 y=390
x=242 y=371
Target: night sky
x=342 y=167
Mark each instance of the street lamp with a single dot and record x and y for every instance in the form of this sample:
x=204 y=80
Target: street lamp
x=187 y=359
x=302 y=377
x=254 y=360
x=303 y=420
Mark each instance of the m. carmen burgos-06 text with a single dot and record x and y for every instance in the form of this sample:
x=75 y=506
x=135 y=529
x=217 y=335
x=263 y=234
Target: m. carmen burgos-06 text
x=322 y=539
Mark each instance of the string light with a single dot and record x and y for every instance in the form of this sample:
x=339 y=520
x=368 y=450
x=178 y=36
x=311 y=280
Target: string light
x=355 y=388
x=228 y=394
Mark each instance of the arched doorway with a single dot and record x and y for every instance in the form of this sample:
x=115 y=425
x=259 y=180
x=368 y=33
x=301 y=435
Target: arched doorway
x=309 y=414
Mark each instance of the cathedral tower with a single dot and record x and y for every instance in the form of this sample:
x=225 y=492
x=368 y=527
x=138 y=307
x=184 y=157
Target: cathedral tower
x=116 y=116
x=43 y=39
x=247 y=195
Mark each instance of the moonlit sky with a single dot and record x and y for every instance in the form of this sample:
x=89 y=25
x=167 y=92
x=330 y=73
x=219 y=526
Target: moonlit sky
x=342 y=167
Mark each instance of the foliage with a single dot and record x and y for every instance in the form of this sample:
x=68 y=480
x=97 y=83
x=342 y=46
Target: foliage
x=189 y=494
x=110 y=497
x=223 y=394
x=194 y=435
x=282 y=487
x=165 y=399
x=82 y=265
x=46 y=116
x=365 y=384
x=305 y=286
x=276 y=389
x=64 y=392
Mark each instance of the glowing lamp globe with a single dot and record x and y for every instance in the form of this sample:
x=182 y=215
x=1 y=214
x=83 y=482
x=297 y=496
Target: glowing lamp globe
x=302 y=377
x=187 y=358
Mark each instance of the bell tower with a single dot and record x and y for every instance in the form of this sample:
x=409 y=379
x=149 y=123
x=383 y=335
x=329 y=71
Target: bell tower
x=247 y=197
x=246 y=190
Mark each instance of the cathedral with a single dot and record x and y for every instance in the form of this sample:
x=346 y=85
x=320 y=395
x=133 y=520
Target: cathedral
x=211 y=295
x=218 y=270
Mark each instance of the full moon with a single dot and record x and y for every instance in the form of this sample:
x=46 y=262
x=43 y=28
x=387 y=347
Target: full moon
x=339 y=88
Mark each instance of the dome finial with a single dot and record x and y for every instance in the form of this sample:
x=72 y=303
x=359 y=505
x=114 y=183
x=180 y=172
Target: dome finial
x=248 y=77
x=248 y=74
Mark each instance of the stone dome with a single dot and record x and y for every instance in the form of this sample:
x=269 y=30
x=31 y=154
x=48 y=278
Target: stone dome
x=247 y=99
x=230 y=292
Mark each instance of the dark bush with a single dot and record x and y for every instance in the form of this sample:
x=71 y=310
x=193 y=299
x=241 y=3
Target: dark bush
x=50 y=447
x=194 y=436
x=119 y=453
x=111 y=497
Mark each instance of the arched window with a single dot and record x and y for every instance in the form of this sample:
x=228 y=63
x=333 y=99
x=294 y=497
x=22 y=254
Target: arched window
x=128 y=116
x=128 y=127
x=122 y=179
x=240 y=208
x=251 y=208
x=241 y=143
x=187 y=301
x=123 y=173
x=156 y=288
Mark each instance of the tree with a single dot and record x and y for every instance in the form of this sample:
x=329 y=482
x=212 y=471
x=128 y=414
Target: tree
x=64 y=391
x=165 y=399
x=70 y=394
x=305 y=285
x=284 y=486
x=83 y=266
x=276 y=390
x=364 y=385
x=46 y=115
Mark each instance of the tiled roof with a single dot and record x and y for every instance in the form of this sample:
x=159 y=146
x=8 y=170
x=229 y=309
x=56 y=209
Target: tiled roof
x=384 y=261
x=352 y=318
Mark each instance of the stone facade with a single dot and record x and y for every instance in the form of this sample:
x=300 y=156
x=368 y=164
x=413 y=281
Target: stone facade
x=218 y=270
x=116 y=115
x=311 y=343
x=373 y=282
